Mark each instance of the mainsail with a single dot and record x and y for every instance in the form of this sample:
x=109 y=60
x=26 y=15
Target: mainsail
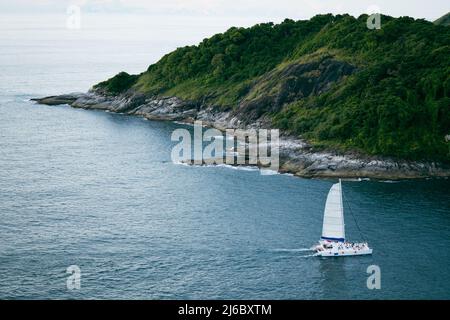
x=333 y=220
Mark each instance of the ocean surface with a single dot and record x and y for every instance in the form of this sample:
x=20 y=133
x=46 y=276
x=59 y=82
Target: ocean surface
x=99 y=190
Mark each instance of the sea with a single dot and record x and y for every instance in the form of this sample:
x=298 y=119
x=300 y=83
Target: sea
x=97 y=192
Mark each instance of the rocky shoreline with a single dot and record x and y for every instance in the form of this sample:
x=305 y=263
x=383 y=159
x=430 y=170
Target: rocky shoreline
x=296 y=156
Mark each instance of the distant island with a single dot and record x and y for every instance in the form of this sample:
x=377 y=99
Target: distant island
x=350 y=101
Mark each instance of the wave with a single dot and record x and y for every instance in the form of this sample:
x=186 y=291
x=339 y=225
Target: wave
x=293 y=250
x=268 y=172
x=182 y=164
x=356 y=179
x=184 y=123
x=308 y=256
x=243 y=168
x=223 y=165
x=262 y=171
x=390 y=181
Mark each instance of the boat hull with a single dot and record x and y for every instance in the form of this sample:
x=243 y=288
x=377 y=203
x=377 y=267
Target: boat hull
x=343 y=253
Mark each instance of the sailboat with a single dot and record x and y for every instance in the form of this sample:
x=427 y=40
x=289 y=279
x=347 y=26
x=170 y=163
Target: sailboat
x=333 y=242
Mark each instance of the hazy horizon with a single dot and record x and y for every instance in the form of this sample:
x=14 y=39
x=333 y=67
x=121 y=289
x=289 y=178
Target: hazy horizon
x=154 y=28
x=263 y=10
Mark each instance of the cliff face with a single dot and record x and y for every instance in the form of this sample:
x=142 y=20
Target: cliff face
x=293 y=82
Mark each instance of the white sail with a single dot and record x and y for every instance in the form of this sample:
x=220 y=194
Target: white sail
x=333 y=220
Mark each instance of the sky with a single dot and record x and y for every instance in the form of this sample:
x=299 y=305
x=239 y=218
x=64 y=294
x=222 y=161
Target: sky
x=264 y=10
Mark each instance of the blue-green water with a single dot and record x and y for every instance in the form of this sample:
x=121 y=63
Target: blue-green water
x=98 y=190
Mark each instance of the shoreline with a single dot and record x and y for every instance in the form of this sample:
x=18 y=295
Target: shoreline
x=297 y=157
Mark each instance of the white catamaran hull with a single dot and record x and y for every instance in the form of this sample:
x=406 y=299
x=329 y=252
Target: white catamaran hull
x=343 y=253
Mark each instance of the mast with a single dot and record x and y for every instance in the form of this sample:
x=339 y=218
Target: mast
x=342 y=208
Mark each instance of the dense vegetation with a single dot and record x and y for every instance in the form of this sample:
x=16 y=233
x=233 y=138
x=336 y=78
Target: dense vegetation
x=396 y=102
x=118 y=84
x=444 y=20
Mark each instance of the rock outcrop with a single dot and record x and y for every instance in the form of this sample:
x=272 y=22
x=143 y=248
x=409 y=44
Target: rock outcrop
x=296 y=156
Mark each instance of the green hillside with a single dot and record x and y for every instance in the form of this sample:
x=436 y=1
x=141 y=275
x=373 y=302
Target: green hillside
x=330 y=80
x=444 y=20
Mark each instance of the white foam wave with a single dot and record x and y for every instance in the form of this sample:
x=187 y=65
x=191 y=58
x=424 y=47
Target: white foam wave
x=287 y=174
x=243 y=168
x=293 y=250
x=182 y=164
x=389 y=181
x=263 y=172
x=356 y=179
x=184 y=123
x=268 y=172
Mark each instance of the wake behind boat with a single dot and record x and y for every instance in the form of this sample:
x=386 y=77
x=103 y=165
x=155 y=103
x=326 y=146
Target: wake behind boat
x=332 y=242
